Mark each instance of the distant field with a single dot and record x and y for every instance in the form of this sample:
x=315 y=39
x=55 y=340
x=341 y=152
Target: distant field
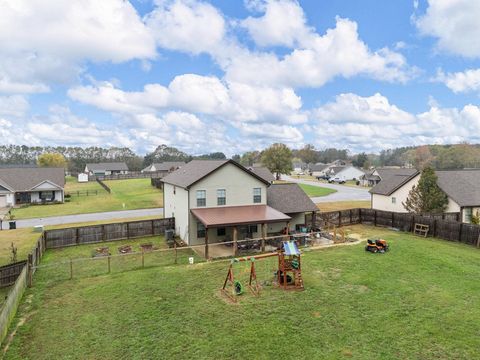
x=343 y=205
x=315 y=191
x=126 y=195
x=417 y=301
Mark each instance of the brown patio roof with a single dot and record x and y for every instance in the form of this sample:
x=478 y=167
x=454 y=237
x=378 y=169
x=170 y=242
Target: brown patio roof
x=238 y=215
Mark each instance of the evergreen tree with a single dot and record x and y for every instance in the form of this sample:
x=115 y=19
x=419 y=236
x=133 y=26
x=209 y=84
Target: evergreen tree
x=426 y=196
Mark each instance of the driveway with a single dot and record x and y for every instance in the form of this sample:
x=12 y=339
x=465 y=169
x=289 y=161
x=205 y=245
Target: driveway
x=344 y=193
x=68 y=219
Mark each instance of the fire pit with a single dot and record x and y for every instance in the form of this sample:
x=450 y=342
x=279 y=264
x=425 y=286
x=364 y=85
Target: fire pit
x=146 y=247
x=101 y=251
x=125 y=249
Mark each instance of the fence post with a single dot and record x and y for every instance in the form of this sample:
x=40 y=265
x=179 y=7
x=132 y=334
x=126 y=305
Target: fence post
x=30 y=270
x=71 y=269
x=108 y=263
x=351 y=216
x=103 y=233
x=153 y=229
x=393 y=214
x=143 y=258
x=339 y=218
x=412 y=225
x=175 y=247
x=76 y=236
x=460 y=232
x=128 y=230
x=434 y=227
x=375 y=218
x=360 y=215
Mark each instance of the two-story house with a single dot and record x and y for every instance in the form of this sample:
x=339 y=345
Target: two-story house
x=220 y=200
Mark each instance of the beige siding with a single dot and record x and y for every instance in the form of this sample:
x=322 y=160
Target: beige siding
x=237 y=183
x=381 y=202
x=176 y=204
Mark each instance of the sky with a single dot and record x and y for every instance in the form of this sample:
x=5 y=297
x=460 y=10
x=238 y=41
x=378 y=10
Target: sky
x=235 y=76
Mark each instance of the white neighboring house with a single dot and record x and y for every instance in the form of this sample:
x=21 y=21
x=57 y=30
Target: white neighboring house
x=298 y=167
x=461 y=186
x=344 y=173
x=31 y=185
x=108 y=168
x=164 y=167
x=220 y=200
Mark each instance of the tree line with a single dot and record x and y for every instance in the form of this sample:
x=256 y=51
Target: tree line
x=439 y=157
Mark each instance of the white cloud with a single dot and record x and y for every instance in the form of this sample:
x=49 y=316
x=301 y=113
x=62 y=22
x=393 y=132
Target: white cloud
x=283 y=23
x=14 y=105
x=231 y=102
x=185 y=25
x=318 y=59
x=464 y=81
x=455 y=24
x=43 y=42
x=350 y=108
x=373 y=124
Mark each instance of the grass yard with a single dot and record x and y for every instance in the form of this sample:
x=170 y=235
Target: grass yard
x=416 y=302
x=343 y=205
x=133 y=193
x=316 y=191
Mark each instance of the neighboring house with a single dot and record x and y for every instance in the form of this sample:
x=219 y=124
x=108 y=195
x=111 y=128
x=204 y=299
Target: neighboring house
x=220 y=200
x=318 y=169
x=263 y=172
x=344 y=173
x=373 y=177
x=298 y=166
x=106 y=168
x=461 y=186
x=165 y=167
x=31 y=185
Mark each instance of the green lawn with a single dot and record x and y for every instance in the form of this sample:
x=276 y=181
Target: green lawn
x=315 y=191
x=416 y=302
x=126 y=195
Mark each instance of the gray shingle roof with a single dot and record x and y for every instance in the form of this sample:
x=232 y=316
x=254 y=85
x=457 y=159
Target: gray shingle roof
x=196 y=170
x=318 y=167
x=289 y=199
x=263 y=172
x=110 y=166
x=167 y=165
x=463 y=186
x=24 y=179
x=392 y=179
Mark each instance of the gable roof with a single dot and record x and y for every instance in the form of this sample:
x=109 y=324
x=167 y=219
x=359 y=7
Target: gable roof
x=463 y=186
x=263 y=172
x=392 y=179
x=107 y=166
x=318 y=167
x=334 y=170
x=167 y=165
x=289 y=198
x=196 y=170
x=24 y=179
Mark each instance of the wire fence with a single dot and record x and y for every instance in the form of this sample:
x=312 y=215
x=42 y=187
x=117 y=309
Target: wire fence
x=102 y=262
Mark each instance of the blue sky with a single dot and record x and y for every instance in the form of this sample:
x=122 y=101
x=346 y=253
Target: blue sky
x=234 y=76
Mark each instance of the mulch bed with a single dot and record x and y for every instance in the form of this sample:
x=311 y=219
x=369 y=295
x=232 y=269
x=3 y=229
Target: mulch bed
x=101 y=251
x=125 y=249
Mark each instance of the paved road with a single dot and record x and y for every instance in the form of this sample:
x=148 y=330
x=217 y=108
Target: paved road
x=344 y=193
x=67 y=219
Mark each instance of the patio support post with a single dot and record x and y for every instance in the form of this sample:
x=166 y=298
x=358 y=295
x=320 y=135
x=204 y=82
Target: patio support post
x=264 y=234
x=206 y=242
x=235 y=238
x=288 y=228
x=314 y=219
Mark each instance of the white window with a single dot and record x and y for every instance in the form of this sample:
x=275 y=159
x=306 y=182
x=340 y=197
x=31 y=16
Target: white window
x=221 y=197
x=201 y=197
x=394 y=200
x=468 y=215
x=257 y=195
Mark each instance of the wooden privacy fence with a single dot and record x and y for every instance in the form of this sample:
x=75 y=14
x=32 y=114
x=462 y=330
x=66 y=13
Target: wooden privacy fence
x=107 y=232
x=103 y=185
x=445 y=226
x=10 y=272
x=130 y=175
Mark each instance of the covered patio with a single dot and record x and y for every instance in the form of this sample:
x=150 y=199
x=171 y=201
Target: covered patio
x=234 y=218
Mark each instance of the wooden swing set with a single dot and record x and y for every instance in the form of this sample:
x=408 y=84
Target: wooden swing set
x=288 y=275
